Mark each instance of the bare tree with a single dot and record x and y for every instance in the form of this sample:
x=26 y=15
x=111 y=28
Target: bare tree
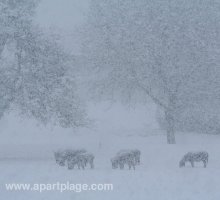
x=158 y=49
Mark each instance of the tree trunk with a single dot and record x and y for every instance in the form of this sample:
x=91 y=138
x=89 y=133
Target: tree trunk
x=169 y=117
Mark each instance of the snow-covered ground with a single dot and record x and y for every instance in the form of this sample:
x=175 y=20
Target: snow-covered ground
x=158 y=177
x=26 y=160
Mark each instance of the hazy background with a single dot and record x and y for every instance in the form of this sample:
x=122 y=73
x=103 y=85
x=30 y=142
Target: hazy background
x=64 y=17
x=26 y=147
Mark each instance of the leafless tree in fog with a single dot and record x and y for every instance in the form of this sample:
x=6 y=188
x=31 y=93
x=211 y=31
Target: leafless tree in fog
x=159 y=49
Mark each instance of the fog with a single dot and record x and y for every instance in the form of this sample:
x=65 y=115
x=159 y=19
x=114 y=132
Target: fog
x=110 y=91
x=64 y=17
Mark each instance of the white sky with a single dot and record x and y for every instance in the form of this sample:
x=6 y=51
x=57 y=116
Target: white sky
x=65 y=16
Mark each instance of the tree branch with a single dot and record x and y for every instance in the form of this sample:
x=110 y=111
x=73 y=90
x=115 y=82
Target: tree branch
x=149 y=92
x=3 y=40
x=186 y=77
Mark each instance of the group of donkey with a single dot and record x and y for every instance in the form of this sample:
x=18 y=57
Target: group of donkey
x=130 y=157
x=80 y=158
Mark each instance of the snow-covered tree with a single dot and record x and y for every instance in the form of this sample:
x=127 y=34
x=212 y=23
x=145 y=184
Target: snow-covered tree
x=160 y=49
x=35 y=69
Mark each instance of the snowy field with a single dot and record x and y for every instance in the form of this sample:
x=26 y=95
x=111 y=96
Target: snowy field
x=26 y=156
x=157 y=178
x=160 y=59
